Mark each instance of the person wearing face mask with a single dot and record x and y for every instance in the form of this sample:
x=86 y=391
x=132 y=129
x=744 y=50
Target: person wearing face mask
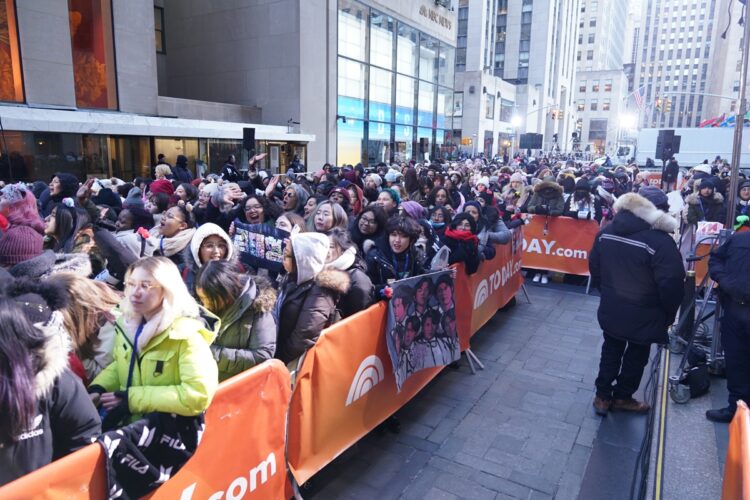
x=440 y=218
x=395 y=257
x=705 y=204
x=461 y=239
x=583 y=205
x=638 y=270
x=742 y=211
x=308 y=295
x=209 y=242
x=343 y=256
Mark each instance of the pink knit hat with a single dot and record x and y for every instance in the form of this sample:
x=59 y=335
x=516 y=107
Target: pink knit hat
x=18 y=244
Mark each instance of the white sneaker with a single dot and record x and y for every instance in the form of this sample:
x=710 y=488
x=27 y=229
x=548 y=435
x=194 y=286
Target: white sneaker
x=535 y=279
x=545 y=280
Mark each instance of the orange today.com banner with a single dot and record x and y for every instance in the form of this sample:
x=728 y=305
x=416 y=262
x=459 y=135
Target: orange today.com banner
x=736 y=483
x=241 y=451
x=559 y=244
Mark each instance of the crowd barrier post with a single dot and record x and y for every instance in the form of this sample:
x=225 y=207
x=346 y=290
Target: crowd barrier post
x=736 y=484
x=559 y=244
x=230 y=461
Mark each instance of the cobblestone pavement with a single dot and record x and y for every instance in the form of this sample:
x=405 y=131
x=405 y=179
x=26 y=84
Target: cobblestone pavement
x=523 y=428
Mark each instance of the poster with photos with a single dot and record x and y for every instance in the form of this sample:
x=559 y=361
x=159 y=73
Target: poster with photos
x=421 y=327
x=260 y=245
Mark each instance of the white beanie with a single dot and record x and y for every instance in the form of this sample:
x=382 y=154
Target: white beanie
x=376 y=178
x=310 y=252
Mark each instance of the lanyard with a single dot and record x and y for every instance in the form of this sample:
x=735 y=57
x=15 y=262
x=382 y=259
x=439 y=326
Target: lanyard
x=134 y=354
x=406 y=266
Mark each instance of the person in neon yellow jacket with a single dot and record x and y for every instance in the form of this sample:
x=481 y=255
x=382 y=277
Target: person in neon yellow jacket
x=174 y=370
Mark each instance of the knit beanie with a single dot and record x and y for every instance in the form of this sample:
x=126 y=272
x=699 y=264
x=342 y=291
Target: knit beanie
x=654 y=195
x=19 y=243
x=413 y=209
x=376 y=179
x=518 y=177
x=134 y=199
x=394 y=194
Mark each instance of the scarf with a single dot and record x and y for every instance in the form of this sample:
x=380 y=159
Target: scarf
x=345 y=260
x=171 y=246
x=461 y=235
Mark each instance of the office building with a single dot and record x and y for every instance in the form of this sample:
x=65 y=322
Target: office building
x=678 y=42
x=484 y=104
x=535 y=50
x=602 y=83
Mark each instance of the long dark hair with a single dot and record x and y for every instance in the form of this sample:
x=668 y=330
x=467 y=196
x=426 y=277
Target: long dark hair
x=20 y=343
x=68 y=221
x=220 y=282
x=271 y=211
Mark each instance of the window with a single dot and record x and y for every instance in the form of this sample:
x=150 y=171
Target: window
x=592 y=23
x=608 y=85
x=582 y=86
x=408 y=50
x=489 y=106
x=428 y=58
x=161 y=41
x=591 y=38
x=595 y=86
x=381 y=40
x=605 y=105
x=380 y=95
x=11 y=85
x=352 y=29
x=581 y=105
x=458 y=104
x=589 y=55
x=594 y=105
x=93 y=53
x=578 y=56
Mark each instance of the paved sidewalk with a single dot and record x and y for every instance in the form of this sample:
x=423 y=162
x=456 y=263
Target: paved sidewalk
x=523 y=428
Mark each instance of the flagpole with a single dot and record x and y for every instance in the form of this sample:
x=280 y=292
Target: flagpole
x=739 y=125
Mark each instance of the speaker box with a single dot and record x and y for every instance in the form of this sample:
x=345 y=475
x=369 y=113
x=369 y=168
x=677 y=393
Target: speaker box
x=248 y=138
x=531 y=141
x=676 y=144
x=664 y=144
x=424 y=145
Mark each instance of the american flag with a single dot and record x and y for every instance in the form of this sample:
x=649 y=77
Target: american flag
x=638 y=97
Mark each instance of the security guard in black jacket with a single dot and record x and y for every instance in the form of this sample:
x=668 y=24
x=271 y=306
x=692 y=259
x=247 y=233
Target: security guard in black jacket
x=729 y=266
x=637 y=268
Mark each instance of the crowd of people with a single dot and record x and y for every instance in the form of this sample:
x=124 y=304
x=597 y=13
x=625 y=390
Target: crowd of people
x=120 y=298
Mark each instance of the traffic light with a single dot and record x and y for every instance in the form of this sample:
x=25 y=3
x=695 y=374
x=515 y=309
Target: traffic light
x=667 y=105
x=559 y=114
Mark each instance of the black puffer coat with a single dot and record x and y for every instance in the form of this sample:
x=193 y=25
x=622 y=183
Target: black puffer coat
x=638 y=269
x=361 y=292
x=66 y=419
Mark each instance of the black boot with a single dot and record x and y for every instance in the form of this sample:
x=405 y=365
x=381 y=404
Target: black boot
x=723 y=415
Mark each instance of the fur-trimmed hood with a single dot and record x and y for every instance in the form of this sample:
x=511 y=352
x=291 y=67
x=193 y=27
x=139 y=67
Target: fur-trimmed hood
x=692 y=198
x=540 y=186
x=333 y=279
x=646 y=211
x=54 y=355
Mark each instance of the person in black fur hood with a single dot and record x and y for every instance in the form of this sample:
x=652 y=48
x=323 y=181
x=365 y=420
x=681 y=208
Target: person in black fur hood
x=62 y=186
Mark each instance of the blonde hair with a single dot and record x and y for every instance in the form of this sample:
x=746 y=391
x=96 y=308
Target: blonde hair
x=162 y=170
x=88 y=300
x=177 y=299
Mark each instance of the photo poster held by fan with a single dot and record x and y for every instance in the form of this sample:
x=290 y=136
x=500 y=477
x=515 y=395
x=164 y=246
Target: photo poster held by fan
x=260 y=245
x=421 y=329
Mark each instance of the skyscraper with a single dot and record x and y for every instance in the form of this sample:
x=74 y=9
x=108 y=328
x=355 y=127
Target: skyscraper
x=528 y=43
x=602 y=84
x=678 y=41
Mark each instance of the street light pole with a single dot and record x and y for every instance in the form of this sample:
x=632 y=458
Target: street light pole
x=739 y=124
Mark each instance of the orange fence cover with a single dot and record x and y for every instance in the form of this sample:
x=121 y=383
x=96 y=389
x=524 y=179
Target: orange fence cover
x=559 y=244
x=241 y=452
x=345 y=388
x=737 y=466
x=79 y=475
